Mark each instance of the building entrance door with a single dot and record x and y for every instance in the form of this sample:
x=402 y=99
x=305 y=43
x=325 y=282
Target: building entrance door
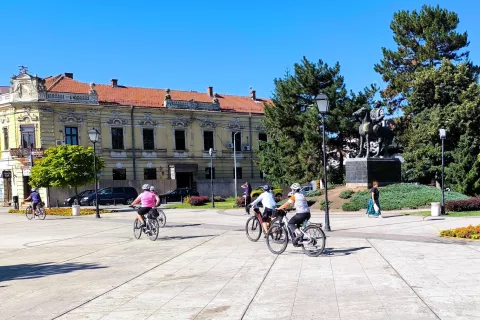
x=184 y=179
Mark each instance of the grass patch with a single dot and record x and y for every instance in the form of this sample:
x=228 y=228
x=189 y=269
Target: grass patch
x=228 y=203
x=401 y=196
x=449 y=214
x=469 y=232
x=62 y=211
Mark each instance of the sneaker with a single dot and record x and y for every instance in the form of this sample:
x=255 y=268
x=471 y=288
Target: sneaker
x=380 y=216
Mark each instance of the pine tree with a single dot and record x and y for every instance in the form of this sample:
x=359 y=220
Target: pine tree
x=423 y=40
x=294 y=150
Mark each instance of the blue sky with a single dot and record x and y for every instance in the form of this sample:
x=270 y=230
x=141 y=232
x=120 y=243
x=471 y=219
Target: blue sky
x=189 y=45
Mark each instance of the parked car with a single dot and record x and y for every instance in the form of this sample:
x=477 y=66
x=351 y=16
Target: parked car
x=111 y=195
x=276 y=191
x=73 y=199
x=177 y=195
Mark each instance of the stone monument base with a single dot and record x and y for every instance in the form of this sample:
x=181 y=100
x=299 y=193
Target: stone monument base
x=361 y=172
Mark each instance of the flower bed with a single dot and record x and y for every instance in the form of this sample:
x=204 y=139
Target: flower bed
x=195 y=200
x=469 y=232
x=62 y=211
x=471 y=204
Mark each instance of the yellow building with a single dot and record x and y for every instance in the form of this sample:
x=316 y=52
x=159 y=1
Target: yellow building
x=155 y=136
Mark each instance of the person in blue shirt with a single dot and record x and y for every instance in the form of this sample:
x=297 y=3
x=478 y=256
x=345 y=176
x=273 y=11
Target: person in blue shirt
x=35 y=198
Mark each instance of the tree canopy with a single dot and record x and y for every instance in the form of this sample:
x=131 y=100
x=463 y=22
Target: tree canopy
x=65 y=166
x=294 y=150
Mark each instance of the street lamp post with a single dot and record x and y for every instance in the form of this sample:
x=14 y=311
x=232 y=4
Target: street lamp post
x=210 y=152
x=443 y=135
x=235 y=161
x=322 y=105
x=94 y=135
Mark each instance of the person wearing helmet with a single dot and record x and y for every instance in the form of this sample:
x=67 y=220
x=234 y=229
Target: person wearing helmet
x=302 y=210
x=148 y=200
x=269 y=204
x=152 y=190
x=35 y=198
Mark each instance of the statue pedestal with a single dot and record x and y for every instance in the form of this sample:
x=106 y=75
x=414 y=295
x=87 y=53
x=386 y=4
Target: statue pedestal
x=361 y=172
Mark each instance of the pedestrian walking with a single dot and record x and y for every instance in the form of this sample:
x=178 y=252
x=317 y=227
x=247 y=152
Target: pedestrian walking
x=248 y=198
x=373 y=208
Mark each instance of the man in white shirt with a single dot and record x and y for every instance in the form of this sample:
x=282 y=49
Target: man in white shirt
x=269 y=205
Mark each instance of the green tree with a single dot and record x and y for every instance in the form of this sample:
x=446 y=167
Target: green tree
x=65 y=166
x=423 y=40
x=294 y=150
x=447 y=97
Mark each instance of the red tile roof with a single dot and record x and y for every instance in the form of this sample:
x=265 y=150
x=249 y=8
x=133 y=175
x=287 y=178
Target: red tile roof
x=147 y=97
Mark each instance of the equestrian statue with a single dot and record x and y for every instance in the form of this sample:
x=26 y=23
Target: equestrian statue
x=371 y=128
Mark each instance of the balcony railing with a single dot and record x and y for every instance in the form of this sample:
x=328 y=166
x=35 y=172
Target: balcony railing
x=25 y=152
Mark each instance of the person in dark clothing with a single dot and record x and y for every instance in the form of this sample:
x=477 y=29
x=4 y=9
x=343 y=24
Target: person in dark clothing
x=248 y=197
x=35 y=198
x=373 y=208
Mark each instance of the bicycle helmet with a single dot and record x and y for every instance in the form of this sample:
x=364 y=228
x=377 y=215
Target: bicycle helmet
x=152 y=188
x=295 y=186
x=266 y=187
x=34 y=189
x=146 y=187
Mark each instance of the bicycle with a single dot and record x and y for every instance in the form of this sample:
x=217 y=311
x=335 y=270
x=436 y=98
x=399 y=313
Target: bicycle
x=162 y=218
x=39 y=211
x=279 y=233
x=151 y=227
x=254 y=224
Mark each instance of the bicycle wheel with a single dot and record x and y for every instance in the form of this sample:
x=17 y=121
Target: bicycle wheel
x=137 y=230
x=316 y=245
x=29 y=213
x=162 y=219
x=253 y=229
x=277 y=238
x=154 y=228
x=41 y=213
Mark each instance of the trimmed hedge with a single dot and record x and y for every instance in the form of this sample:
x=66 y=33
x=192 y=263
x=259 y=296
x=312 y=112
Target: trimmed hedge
x=401 y=196
x=471 y=204
x=469 y=232
x=322 y=204
x=62 y=211
x=240 y=202
x=345 y=194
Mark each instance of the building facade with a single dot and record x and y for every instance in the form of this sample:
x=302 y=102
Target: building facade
x=155 y=136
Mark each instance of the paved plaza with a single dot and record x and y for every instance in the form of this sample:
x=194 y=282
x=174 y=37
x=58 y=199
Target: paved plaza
x=203 y=267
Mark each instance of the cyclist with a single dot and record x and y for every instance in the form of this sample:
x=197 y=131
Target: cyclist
x=152 y=190
x=269 y=205
x=302 y=211
x=148 y=200
x=35 y=198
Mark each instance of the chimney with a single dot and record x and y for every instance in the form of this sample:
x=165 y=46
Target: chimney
x=210 y=91
x=253 y=94
x=114 y=83
x=68 y=75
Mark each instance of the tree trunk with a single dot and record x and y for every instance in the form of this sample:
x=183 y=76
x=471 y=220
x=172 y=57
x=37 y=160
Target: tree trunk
x=76 y=194
x=48 y=198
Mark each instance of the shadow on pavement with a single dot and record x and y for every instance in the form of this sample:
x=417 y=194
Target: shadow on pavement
x=39 y=270
x=342 y=252
x=182 y=225
x=183 y=238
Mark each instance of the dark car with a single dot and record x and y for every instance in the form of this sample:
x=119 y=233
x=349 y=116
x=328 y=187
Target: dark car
x=73 y=199
x=177 y=195
x=111 y=195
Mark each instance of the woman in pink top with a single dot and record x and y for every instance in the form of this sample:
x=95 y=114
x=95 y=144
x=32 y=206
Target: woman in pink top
x=148 y=200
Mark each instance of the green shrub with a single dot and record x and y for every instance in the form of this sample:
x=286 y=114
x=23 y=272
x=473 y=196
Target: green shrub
x=402 y=196
x=351 y=206
x=322 y=204
x=345 y=194
x=314 y=193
